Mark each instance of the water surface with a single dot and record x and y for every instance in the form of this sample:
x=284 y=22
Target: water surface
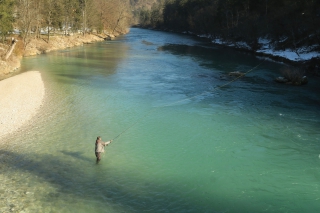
x=188 y=139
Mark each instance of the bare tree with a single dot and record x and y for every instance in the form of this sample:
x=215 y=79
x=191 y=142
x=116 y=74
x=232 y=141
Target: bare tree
x=69 y=8
x=26 y=17
x=120 y=15
x=48 y=16
x=38 y=6
x=112 y=15
x=9 y=52
x=86 y=10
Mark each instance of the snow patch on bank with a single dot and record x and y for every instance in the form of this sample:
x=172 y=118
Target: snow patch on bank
x=301 y=54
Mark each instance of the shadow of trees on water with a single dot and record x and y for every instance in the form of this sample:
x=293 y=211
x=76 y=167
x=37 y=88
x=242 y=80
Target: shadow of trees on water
x=259 y=81
x=71 y=180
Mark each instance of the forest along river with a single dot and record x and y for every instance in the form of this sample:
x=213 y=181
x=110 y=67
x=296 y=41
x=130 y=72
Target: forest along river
x=186 y=144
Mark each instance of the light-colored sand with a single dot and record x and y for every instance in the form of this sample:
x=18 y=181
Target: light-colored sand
x=21 y=97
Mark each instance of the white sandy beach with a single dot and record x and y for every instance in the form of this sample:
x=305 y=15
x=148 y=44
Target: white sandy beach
x=21 y=97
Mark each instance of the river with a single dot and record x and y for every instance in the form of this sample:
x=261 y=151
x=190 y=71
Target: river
x=188 y=137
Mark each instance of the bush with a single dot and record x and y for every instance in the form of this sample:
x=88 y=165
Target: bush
x=294 y=75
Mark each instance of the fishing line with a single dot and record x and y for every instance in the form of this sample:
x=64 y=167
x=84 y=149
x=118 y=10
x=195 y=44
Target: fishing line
x=185 y=99
x=219 y=87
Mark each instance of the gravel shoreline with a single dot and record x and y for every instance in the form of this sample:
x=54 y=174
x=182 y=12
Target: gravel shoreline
x=21 y=97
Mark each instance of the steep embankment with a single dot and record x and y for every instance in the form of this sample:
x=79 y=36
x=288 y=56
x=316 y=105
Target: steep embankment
x=39 y=46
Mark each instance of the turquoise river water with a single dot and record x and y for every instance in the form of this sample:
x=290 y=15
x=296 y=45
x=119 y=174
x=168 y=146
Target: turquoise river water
x=186 y=140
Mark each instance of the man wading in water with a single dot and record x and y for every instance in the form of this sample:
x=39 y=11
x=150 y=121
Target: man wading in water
x=100 y=147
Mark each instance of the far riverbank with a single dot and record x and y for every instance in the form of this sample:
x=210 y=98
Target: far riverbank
x=11 y=67
x=307 y=61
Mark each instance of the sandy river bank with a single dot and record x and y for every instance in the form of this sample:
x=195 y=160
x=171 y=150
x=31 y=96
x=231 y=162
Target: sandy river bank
x=21 y=97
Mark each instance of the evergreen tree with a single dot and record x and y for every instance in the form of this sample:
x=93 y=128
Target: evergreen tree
x=6 y=17
x=289 y=24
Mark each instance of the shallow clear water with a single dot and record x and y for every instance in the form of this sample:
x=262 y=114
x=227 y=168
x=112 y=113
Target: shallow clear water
x=185 y=141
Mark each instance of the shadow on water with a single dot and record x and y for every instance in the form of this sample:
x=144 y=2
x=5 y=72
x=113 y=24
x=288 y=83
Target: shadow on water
x=98 y=187
x=77 y=155
x=83 y=60
x=213 y=57
x=259 y=80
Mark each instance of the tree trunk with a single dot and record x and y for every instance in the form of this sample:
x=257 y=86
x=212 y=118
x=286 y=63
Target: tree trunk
x=48 y=33
x=49 y=25
x=115 y=26
x=84 y=17
x=13 y=44
x=294 y=42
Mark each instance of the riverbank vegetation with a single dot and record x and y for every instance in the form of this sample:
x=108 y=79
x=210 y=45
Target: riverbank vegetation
x=31 y=18
x=285 y=23
x=252 y=24
x=28 y=24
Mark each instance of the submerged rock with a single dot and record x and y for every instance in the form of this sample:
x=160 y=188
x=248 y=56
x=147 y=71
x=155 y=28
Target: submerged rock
x=301 y=81
x=304 y=80
x=236 y=73
x=281 y=80
x=109 y=37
